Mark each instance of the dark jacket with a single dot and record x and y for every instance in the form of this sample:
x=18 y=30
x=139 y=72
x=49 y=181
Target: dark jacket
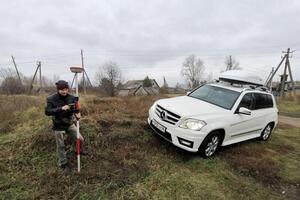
x=61 y=119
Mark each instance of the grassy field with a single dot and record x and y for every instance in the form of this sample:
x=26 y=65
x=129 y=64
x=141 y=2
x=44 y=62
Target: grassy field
x=127 y=161
x=289 y=106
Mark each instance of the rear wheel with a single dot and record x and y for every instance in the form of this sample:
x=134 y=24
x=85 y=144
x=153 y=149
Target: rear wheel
x=265 y=134
x=210 y=144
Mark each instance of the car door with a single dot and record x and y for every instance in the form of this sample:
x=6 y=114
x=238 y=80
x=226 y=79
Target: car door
x=241 y=124
x=262 y=107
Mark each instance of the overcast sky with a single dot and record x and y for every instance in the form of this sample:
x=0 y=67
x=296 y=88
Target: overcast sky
x=148 y=37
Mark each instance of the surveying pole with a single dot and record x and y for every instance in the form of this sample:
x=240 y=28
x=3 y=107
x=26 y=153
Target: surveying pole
x=77 y=70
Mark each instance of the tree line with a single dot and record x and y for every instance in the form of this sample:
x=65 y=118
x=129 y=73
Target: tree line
x=109 y=77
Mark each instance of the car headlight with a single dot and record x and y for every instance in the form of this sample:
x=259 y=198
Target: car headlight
x=193 y=124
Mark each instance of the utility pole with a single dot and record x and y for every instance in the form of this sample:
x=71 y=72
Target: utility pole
x=291 y=77
x=13 y=59
x=269 y=84
x=284 y=76
x=271 y=80
x=83 y=78
x=88 y=79
x=40 y=70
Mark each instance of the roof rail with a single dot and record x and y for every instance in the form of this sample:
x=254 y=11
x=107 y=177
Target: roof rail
x=245 y=86
x=260 y=88
x=263 y=88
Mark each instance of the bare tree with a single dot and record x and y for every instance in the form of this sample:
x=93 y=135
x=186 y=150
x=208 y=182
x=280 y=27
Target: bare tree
x=192 y=70
x=7 y=72
x=231 y=63
x=10 y=83
x=55 y=78
x=109 y=77
x=210 y=77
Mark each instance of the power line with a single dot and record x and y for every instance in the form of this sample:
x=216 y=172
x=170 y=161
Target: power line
x=127 y=53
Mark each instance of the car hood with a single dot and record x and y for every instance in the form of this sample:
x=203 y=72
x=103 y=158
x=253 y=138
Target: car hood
x=186 y=106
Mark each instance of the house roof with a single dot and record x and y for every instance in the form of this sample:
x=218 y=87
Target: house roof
x=133 y=84
x=150 y=90
x=136 y=83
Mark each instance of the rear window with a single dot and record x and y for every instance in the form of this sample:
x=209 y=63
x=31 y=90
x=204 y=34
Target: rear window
x=262 y=101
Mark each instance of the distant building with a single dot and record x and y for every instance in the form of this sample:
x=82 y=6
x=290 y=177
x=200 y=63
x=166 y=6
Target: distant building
x=288 y=87
x=297 y=87
x=135 y=87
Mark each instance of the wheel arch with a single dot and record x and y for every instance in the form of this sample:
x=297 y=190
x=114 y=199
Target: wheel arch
x=219 y=130
x=272 y=123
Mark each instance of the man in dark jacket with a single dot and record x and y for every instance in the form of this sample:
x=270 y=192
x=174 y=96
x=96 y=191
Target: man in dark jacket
x=61 y=106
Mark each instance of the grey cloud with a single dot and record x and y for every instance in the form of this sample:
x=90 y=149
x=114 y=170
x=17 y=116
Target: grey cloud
x=143 y=34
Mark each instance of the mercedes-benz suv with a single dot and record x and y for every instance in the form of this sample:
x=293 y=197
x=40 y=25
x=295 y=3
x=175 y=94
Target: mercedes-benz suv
x=214 y=115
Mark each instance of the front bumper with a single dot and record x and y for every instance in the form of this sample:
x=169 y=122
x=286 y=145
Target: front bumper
x=188 y=140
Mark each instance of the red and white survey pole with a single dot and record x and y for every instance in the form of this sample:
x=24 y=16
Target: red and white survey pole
x=77 y=70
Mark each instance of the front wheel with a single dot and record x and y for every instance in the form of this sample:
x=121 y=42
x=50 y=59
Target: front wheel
x=265 y=134
x=210 y=145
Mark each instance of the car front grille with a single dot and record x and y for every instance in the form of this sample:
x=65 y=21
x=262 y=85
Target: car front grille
x=166 y=115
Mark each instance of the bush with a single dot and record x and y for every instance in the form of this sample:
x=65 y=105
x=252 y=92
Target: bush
x=11 y=85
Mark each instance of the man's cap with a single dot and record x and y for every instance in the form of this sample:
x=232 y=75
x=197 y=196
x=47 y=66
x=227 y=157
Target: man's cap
x=61 y=84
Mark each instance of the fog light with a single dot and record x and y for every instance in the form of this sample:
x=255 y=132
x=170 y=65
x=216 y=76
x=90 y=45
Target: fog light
x=185 y=142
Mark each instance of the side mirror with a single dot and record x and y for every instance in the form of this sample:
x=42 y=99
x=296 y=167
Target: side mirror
x=188 y=92
x=245 y=111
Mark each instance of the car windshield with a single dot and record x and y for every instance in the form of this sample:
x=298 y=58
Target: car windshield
x=216 y=95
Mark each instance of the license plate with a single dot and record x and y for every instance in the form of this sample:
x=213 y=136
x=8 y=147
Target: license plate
x=158 y=126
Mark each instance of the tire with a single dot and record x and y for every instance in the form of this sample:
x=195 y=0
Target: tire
x=210 y=144
x=266 y=133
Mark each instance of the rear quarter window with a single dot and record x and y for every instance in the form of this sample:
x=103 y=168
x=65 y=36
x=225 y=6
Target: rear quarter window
x=262 y=101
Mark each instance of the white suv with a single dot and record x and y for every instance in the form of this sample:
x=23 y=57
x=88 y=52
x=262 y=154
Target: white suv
x=214 y=115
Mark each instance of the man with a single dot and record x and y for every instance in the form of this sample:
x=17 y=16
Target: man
x=61 y=106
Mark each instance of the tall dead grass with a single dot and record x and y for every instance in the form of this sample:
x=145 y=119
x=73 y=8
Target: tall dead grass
x=17 y=103
x=11 y=105
x=290 y=97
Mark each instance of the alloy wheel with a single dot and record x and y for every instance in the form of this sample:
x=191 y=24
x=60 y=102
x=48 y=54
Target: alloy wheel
x=267 y=132
x=212 y=146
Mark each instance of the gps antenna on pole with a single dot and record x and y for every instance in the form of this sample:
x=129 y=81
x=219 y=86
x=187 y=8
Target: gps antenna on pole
x=77 y=70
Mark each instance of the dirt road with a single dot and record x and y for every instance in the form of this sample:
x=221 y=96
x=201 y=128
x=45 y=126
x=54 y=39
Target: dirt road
x=290 y=121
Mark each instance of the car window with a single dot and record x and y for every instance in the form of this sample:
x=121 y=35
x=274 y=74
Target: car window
x=270 y=101
x=246 y=101
x=216 y=95
x=262 y=101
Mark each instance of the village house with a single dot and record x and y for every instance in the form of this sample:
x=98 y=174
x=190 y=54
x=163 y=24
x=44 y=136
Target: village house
x=136 y=87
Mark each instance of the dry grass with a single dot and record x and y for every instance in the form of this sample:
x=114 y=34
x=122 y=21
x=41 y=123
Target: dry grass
x=126 y=161
x=289 y=106
x=11 y=107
